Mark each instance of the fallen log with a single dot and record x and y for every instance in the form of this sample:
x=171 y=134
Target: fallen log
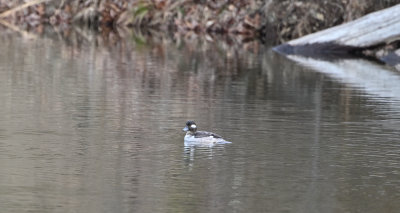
x=371 y=30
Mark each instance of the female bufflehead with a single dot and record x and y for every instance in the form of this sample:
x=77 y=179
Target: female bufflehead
x=192 y=135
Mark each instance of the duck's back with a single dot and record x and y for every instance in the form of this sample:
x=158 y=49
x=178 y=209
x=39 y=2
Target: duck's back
x=203 y=134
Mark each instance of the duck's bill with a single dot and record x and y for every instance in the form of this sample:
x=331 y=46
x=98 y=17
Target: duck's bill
x=185 y=129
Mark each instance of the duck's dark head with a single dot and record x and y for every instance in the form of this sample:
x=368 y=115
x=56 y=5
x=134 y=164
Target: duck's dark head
x=190 y=126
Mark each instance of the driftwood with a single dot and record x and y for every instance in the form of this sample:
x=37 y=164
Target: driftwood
x=371 y=30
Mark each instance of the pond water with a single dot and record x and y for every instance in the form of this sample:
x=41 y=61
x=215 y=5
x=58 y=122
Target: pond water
x=90 y=126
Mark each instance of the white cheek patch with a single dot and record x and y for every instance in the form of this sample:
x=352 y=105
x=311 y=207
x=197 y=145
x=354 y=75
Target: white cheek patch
x=193 y=126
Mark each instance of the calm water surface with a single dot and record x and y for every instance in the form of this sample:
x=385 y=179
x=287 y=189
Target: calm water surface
x=86 y=127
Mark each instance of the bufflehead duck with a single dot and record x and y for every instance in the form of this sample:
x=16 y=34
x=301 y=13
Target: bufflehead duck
x=192 y=135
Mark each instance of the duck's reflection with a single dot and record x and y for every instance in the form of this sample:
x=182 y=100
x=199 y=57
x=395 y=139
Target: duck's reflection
x=193 y=151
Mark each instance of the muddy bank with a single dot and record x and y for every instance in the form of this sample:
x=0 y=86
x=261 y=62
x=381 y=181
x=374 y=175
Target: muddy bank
x=268 y=20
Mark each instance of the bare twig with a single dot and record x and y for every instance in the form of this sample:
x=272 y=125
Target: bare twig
x=20 y=7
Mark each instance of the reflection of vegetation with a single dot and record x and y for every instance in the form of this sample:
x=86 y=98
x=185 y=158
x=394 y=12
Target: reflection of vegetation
x=215 y=55
x=139 y=39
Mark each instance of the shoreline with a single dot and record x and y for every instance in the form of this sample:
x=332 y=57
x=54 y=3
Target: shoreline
x=282 y=20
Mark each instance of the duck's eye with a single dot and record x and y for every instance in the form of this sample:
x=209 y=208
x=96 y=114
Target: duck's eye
x=193 y=126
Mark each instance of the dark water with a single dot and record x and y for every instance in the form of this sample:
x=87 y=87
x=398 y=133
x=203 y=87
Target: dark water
x=86 y=127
